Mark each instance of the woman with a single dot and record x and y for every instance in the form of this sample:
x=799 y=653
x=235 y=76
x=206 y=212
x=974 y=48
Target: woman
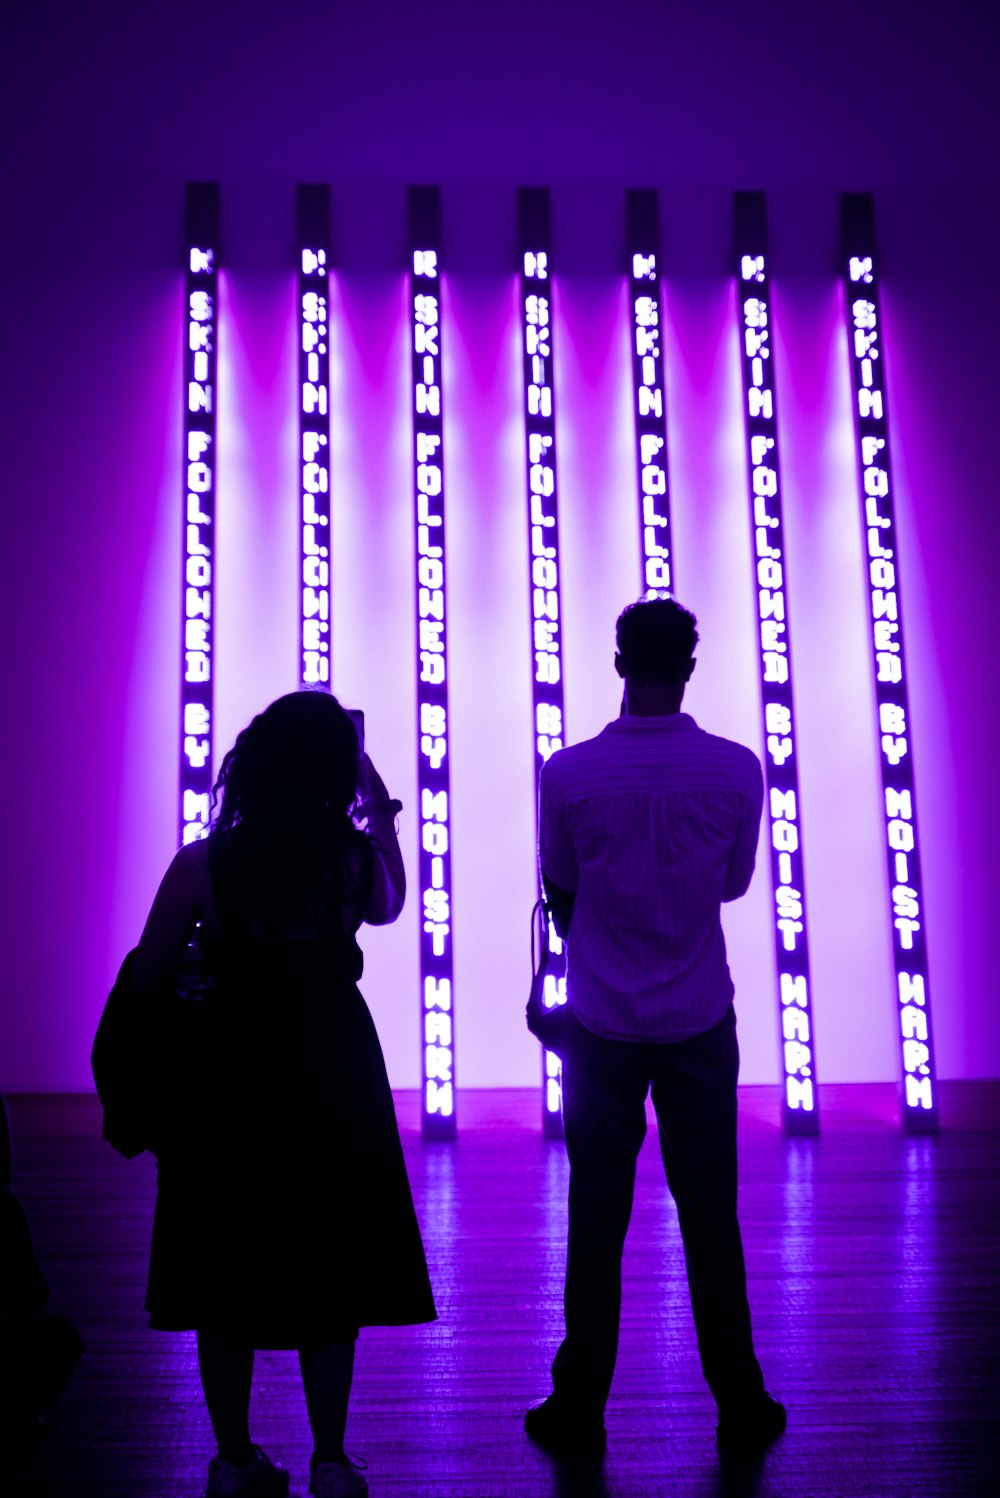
x=283 y=1214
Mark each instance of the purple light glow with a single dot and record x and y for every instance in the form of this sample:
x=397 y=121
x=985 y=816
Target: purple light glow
x=543 y=542
x=108 y=357
x=902 y=848
x=314 y=435
x=436 y=969
x=642 y=238
x=774 y=655
x=201 y=245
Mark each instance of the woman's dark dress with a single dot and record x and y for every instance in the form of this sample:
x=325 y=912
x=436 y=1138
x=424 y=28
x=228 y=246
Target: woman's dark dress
x=283 y=1210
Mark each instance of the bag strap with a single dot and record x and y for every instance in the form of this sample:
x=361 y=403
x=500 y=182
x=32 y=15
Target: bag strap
x=540 y=925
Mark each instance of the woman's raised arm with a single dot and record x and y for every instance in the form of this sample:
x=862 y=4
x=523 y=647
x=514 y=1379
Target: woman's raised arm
x=389 y=887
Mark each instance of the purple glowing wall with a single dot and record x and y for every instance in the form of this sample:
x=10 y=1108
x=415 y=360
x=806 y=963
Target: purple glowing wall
x=92 y=468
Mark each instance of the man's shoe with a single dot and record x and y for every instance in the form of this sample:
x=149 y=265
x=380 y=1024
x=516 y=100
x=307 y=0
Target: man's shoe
x=338 y=1479
x=260 y=1478
x=564 y=1431
x=749 y=1428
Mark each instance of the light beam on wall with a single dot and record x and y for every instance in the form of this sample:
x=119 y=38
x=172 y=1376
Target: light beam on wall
x=436 y=975
x=314 y=436
x=543 y=544
x=782 y=815
x=909 y=942
x=201 y=250
x=642 y=242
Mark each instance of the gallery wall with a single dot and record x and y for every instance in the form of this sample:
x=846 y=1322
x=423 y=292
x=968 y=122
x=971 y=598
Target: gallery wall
x=112 y=110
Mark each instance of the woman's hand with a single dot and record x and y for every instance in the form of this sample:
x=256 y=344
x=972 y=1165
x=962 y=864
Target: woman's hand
x=389 y=890
x=373 y=791
x=375 y=799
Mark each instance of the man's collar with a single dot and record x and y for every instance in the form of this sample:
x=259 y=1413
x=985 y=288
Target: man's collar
x=669 y=722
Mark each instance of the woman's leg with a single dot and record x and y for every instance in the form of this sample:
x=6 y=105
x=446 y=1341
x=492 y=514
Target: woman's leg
x=226 y=1374
x=327 y=1370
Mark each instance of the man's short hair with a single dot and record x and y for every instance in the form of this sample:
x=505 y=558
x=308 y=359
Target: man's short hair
x=656 y=640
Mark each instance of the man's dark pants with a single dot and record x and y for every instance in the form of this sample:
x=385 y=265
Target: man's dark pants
x=693 y=1083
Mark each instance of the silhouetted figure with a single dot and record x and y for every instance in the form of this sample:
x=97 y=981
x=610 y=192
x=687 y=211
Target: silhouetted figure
x=283 y=1213
x=38 y=1352
x=644 y=831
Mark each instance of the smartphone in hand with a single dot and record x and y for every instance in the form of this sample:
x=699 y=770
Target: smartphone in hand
x=357 y=717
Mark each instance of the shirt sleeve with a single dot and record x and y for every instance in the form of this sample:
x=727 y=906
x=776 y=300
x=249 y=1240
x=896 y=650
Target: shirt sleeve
x=743 y=854
x=555 y=846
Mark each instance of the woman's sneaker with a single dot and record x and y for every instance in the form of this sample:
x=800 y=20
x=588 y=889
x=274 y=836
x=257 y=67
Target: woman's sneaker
x=261 y=1478
x=338 y=1479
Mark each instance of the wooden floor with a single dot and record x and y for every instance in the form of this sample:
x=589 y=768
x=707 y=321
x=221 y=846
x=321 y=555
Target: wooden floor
x=874 y=1265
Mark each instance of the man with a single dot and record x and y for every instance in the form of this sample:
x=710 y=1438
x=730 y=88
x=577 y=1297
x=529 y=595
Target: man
x=644 y=831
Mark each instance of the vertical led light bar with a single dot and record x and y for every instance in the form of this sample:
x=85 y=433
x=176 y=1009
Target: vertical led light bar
x=783 y=820
x=642 y=241
x=313 y=206
x=909 y=946
x=436 y=979
x=543 y=541
x=201 y=250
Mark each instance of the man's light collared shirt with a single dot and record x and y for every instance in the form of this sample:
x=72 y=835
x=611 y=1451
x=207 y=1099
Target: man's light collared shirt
x=652 y=824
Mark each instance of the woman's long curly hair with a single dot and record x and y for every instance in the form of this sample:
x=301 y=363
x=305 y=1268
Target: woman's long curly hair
x=288 y=787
